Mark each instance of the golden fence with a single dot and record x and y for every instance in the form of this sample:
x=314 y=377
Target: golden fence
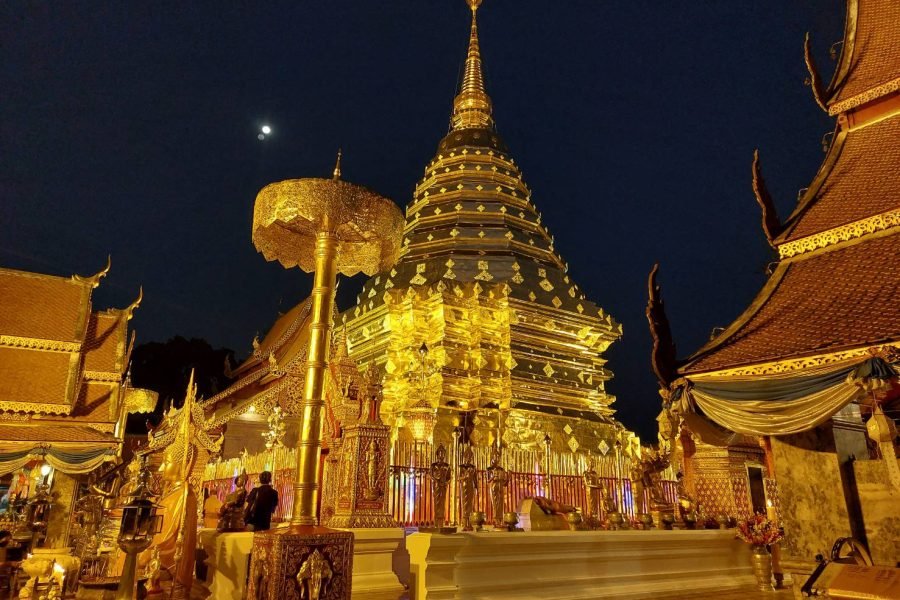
x=411 y=503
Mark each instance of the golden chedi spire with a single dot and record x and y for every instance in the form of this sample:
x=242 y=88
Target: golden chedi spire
x=472 y=106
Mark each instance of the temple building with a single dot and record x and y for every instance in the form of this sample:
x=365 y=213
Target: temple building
x=811 y=366
x=479 y=320
x=64 y=387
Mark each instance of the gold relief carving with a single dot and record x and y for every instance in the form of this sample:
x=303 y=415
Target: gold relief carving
x=14 y=417
x=314 y=575
x=35 y=407
x=39 y=344
x=795 y=364
x=863 y=98
x=373 y=459
x=295 y=563
x=844 y=233
x=138 y=400
x=106 y=376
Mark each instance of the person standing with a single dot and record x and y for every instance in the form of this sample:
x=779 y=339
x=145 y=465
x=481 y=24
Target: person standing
x=261 y=503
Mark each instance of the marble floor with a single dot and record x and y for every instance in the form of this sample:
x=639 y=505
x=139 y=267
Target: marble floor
x=738 y=594
x=750 y=593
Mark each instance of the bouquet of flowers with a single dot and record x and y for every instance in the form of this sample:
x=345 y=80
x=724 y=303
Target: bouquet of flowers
x=759 y=531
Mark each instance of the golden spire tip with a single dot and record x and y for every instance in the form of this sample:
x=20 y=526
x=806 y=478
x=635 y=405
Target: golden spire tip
x=473 y=4
x=337 y=166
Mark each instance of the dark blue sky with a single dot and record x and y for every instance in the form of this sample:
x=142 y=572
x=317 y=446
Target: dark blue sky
x=130 y=129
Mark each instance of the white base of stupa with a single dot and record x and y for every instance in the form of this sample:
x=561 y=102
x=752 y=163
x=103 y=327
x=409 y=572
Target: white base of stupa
x=575 y=564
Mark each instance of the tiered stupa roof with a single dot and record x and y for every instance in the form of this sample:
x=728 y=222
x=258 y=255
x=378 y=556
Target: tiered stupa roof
x=474 y=238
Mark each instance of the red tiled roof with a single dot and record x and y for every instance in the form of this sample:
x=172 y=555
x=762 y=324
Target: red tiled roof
x=864 y=181
x=36 y=376
x=43 y=306
x=105 y=341
x=874 y=58
x=96 y=400
x=837 y=300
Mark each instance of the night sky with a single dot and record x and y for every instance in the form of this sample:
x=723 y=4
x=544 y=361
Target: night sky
x=131 y=129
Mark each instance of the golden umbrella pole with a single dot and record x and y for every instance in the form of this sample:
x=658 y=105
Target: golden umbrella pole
x=306 y=483
x=326 y=226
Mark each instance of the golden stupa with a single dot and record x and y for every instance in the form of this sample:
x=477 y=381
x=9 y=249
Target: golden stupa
x=478 y=321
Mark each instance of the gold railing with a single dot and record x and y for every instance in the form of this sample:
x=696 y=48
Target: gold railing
x=411 y=503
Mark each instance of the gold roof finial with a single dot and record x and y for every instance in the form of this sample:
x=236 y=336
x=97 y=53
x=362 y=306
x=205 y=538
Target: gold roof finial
x=129 y=310
x=94 y=280
x=337 y=167
x=472 y=106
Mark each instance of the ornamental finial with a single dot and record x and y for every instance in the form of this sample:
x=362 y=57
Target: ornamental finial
x=94 y=280
x=337 y=167
x=472 y=106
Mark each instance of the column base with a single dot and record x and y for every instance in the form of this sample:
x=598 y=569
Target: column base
x=373 y=559
x=301 y=561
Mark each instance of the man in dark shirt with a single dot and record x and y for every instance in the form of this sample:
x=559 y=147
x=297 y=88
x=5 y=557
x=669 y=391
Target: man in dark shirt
x=261 y=503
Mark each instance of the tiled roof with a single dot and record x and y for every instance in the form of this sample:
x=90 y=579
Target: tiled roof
x=35 y=376
x=95 y=401
x=864 y=181
x=43 y=306
x=284 y=328
x=837 y=300
x=105 y=341
x=52 y=432
x=874 y=58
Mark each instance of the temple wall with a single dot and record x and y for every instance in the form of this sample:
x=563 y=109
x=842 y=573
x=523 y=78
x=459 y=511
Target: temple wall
x=813 y=511
x=881 y=511
x=248 y=434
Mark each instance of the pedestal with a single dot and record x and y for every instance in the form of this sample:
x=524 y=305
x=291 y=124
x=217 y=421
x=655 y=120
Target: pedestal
x=373 y=560
x=317 y=558
x=228 y=563
x=576 y=564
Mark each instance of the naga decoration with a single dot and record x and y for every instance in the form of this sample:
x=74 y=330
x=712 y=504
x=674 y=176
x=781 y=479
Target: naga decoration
x=663 y=356
x=772 y=227
x=814 y=80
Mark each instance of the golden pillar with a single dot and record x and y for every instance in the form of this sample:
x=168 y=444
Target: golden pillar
x=306 y=481
x=326 y=226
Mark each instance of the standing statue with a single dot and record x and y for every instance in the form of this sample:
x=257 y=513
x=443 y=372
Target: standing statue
x=231 y=514
x=440 y=480
x=372 y=491
x=637 y=487
x=468 y=482
x=498 y=478
x=593 y=488
x=186 y=448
